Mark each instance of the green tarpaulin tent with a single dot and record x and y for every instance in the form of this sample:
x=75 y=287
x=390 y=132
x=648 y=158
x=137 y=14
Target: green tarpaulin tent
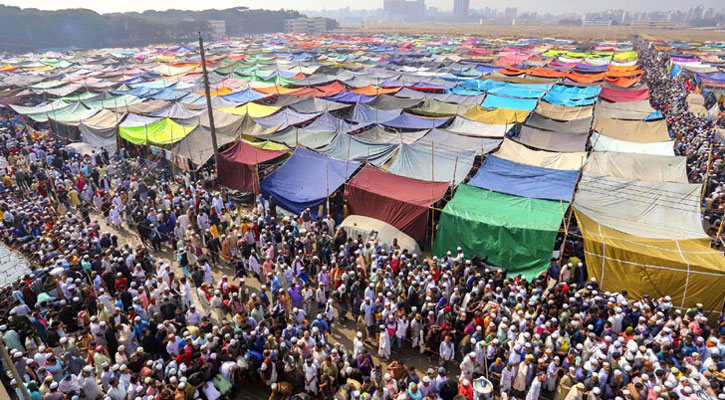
x=161 y=132
x=516 y=233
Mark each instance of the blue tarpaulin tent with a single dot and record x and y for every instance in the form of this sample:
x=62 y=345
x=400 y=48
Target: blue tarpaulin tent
x=365 y=115
x=522 y=180
x=305 y=180
x=409 y=121
x=512 y=103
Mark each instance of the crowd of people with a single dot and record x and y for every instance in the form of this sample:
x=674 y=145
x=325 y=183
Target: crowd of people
x=102 y=316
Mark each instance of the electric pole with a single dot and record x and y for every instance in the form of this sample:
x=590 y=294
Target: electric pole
x=209 y=110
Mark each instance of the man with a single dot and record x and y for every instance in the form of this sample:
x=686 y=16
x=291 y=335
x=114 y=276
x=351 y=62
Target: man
x=446 y=350
x=535 y=389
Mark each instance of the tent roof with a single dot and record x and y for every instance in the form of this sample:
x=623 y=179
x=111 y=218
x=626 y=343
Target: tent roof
x=643 y=167
x=513 y=151
x=426 y=163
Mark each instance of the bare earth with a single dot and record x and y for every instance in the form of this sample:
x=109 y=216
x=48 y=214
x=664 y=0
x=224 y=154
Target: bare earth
x=568 y=32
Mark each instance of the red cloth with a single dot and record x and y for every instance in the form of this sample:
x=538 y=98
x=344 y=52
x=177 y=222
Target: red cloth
x=237 y=165
x=622 y=95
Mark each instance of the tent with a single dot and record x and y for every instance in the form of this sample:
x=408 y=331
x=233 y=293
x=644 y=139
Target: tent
x=498 y=116
x=655 y=210
x=686 y=269
x=624 y=95
x=632 y=131
x=100 y=130
x=432 y=163
x=465 y=126
x=305 y=180
x=412 y=122
x=161 y=132
x=365 y=115
x=516 y=233
x=238 y=164
x=512 y=103
x=553 y=141
x=295 y=137
x=538 y=121
x=435 y=108
x=385 y=234
x=346 y=147
x=522 y=180
x=605 y=143
x=377 y=134
x=197 y=146
x=563 y=113
x=445 y=139
x=512 y=151
x=399 y=201
x=643 y=167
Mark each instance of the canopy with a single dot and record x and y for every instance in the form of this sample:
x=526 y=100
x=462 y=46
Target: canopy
x=100 y=130
x=656 y=210
x=177 y=111
x=444 y=139
x=238 y=164
x=345 y=147
x=294 y=137
x=513 y=103
x=624 y=95
x=687 y=270
x=563 y=113
x=435 y=108
x=376 y=134
x=305 y=180
x=399 y=201
x=516 y=233
x=431 y=163
x=552 y=141
x=161 y=132
x=605 y=143
x=632 y=131
x=465 y=126
x=572 y=126
x=410 y=121
x=499 y=116
x=509 y=177
x=643 y=167
x=364 y=115
x=516 y=152
x=385 y=234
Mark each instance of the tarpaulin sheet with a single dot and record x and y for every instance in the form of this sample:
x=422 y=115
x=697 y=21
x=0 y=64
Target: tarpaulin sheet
x=254 y=110
x=634 y=110
x=329 y=122
x=177 y=111
x=74 y=113
x=496 y=225
x=493 y=101
x=656 y=210
x=384 y=233
x=552 y=141
x=643 y=167
x=376 y=134
x=400 y=201
x=563 y=113
x=519 y=92
x=431 y=163
x=444 y=139
x=285 y=118
x=100 y=130
x=160 y=132
x=465 y=126
x=44 y=108
x=389 y=102
x=632 y=131
x=245 y=96
x=435 y=108
x=687 y=270
x=145 y=107
x=620 y=95
x=538 y=121
x=198 y=147
x=563 y=100
x=605 y=143
x=345 y=147
x=237 y=166
x=294 y=137
x=516 y=179
x=412 y=122
x=313 y=105
x=365 y=115
x=499 y=116
x=516 y=152
x=305 y=180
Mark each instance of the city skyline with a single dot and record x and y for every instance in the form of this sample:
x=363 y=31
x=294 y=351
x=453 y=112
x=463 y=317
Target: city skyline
x=317 y=5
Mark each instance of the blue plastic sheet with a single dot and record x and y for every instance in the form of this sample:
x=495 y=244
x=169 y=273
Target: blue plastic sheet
x=522 y=180
x=409 y=121
x=493 y=101
x=305 y=180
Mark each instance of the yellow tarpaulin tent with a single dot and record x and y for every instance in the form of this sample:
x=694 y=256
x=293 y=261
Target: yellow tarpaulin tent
x=252 y=109
x=498 y=116
x=688 y=270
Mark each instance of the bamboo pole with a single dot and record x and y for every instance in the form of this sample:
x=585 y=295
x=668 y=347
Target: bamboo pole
x=327 y=188
x=432 y=192
x=16 y=375
x=707 y=176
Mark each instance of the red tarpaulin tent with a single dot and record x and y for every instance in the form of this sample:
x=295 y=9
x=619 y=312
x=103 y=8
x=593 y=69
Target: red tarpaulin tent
x=401 y=202
x=623 y=95
x=237 y=166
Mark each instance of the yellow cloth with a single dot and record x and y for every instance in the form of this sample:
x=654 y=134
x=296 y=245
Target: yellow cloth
x=498 y=116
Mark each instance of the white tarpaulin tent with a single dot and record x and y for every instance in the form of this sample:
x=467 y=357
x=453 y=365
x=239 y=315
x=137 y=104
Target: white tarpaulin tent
x=605 y=143
x=643 y=167
x=356 y=225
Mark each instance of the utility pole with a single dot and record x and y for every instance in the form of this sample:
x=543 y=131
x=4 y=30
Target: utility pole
x=16 y=375
x=208 y=102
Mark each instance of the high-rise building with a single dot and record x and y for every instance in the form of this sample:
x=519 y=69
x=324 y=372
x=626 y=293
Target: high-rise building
x=511 y=13
x=461 y=8
x=393 y=7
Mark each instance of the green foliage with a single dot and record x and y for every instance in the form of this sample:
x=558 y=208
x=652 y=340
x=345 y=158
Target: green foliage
x=24 y=30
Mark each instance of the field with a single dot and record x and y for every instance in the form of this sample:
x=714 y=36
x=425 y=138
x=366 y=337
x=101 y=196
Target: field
x=569 y=32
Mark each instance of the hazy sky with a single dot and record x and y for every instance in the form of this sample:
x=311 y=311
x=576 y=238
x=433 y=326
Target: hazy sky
x=559 y=6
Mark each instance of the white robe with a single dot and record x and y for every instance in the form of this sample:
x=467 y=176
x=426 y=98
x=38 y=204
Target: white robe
x=384 y=345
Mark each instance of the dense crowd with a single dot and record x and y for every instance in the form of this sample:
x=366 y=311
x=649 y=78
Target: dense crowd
x=99 y=317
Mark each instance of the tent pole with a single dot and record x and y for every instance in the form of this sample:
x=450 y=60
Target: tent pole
x=432 y=193
x=209 y=110
x=707 y=176
x=327 y=186
x=256 y=174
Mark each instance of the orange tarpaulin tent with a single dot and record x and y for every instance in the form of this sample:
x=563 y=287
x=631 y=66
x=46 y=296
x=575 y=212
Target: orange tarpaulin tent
x=371 y=90
x=585 y=78
x=623 y=82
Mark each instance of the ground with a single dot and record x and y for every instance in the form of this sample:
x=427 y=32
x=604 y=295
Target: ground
x=597 y=33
